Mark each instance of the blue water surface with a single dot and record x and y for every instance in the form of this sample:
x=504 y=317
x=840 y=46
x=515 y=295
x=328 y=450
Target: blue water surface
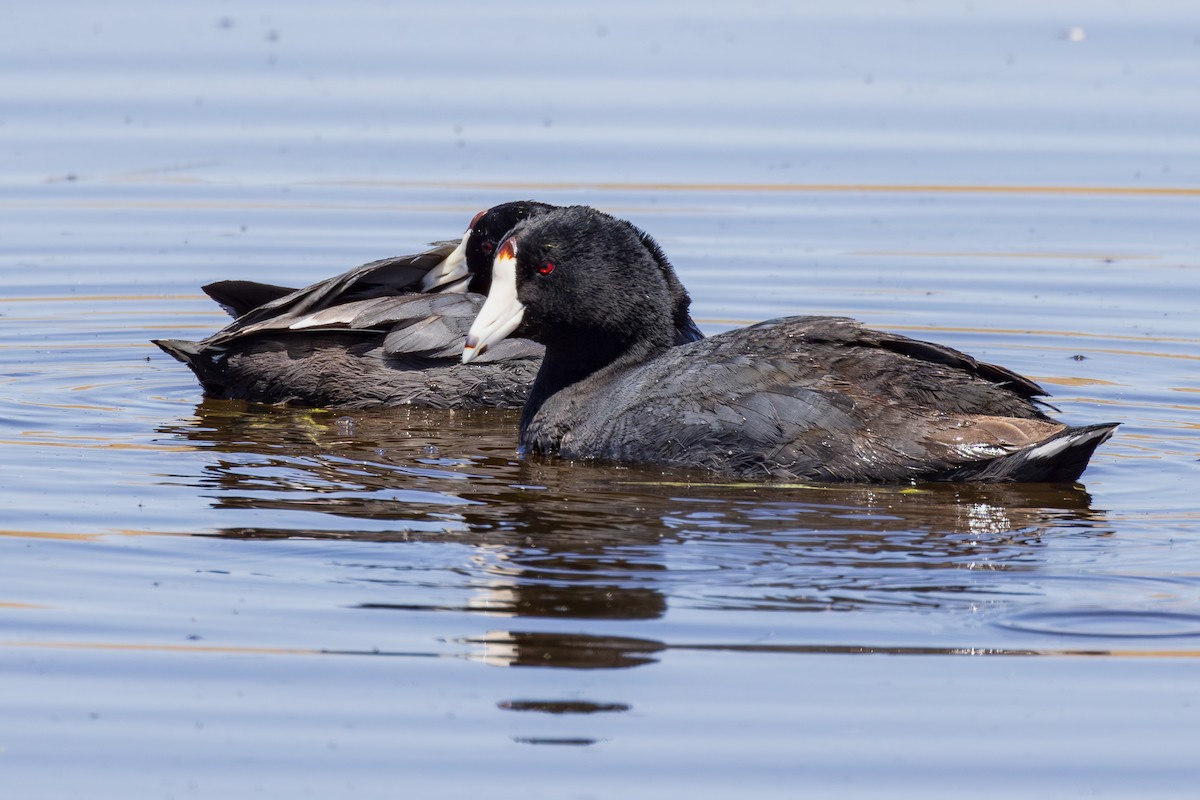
x=204 y=598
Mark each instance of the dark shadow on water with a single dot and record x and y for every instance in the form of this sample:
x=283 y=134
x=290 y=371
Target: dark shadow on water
x=437 y=472
x=578 y=541
x=562 y=706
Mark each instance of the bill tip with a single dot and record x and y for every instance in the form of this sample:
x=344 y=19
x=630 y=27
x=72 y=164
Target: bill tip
x=471 y=349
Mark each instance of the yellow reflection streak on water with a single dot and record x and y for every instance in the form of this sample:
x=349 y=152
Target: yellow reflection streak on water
x=82 y=537
x=1102 y=401
x=594 y=186
x=91 y=537
x=1015 y=332
x=1065 y=381
x=99 y=345
x=1065 y=335
x=53 y=439
x=89 y=298
x=168 y=648
x=69 y=406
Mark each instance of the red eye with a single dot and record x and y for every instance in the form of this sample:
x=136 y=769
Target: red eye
x=487 y=246
x=546 y=268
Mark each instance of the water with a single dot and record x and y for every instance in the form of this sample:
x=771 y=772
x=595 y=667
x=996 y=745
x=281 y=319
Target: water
x=208 y=599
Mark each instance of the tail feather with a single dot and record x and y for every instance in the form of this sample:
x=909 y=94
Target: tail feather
x=179 y=349
x=198 y=358
x=1061 y=458
x=242 y=297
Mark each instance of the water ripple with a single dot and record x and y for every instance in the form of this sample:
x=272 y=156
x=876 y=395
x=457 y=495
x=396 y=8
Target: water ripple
x=1107 y=623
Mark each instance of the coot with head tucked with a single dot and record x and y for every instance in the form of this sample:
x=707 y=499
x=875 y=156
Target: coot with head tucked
x=809 y=398
x=384 y=334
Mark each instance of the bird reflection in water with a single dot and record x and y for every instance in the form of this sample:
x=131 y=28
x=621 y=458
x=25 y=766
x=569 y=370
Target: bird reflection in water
x=557 y=540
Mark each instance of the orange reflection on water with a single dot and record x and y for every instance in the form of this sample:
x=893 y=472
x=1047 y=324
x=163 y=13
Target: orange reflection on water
x=82 y=537
x=55 y=439
x=167 y=648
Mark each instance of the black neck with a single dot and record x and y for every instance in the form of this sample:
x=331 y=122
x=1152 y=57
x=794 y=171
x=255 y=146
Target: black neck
x=571 y=359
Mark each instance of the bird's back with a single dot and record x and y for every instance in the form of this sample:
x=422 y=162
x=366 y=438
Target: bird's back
x=819 y=398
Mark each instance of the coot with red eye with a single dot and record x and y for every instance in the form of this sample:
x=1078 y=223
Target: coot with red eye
x=487 y=229
x=798 y=398
x=384 y=334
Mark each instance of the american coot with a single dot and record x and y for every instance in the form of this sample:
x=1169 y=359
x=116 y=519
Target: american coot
x=384 y=334
x=810 y=398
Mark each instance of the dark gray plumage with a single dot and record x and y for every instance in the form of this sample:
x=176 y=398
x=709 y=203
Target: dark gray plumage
x=384 y=334
x=810 y=398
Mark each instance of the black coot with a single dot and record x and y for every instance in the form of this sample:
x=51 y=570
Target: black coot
x=810 y=398
x=384 y=334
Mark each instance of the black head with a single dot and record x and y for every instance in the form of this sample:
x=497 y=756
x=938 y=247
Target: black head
x=686 y=329
x=585 y=283
x=589 y=219
x=487 y=230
